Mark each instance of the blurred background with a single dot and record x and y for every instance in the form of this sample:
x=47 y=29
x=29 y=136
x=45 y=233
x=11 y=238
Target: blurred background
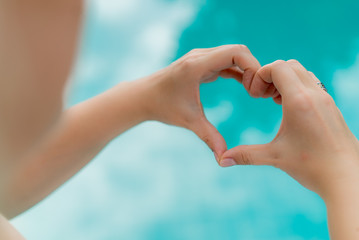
x=161 y=182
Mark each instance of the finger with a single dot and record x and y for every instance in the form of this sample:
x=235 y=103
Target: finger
x=281 y=75
x=278 y=100
x=314 y=77
x=248 y=155
x=267 y=90
x=270 y=92
x=233 y=72
x=199 y=50
x=302 y=73
x=258 y=88
x=210 y=135
x=316 y=81
x=228 y=56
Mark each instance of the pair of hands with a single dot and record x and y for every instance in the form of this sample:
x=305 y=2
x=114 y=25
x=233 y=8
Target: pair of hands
x=313 y=145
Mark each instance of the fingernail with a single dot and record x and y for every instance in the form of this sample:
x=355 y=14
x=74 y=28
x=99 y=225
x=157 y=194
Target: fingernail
x=227 y=162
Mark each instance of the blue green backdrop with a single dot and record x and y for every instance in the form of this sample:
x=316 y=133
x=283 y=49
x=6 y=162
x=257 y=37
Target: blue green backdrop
x=161 y=182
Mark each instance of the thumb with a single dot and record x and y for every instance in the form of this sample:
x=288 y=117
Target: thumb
x=210 y=135
x=248 y=155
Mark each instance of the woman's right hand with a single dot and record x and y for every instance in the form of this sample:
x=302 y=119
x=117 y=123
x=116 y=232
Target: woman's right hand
x=314 y=144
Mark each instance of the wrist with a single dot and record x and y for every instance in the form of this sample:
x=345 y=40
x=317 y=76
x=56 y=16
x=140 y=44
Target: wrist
x=343 y=209
x=152 y=90
x=341 y=187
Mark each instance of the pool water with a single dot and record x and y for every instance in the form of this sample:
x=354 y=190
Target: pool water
x=161 y=182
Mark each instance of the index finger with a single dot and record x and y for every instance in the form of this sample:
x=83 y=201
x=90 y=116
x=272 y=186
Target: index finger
x=282 y=76
x=227 y=56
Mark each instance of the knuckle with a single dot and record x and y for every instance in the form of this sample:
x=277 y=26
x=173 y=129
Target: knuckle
x=327 y=99
x=244 y=158
x=193 y=51
x=312 y=75
x=302 y=101
x=239 y=48
x=280 y=64
x=242 y=47
x=293 y=61
x=189 y=60
x=188 y=63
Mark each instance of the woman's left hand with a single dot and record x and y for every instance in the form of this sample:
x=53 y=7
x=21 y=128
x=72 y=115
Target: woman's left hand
x=175 y=99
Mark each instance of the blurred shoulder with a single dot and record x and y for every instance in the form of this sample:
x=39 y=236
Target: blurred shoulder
x=7 y=231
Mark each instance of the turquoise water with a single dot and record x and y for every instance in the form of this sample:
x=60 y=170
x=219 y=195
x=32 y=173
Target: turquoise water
x=161 y=182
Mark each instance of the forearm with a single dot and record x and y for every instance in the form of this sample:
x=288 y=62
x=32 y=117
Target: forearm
x=83 y=131
x=38 y=41
x=343 y=211
x=170 y=96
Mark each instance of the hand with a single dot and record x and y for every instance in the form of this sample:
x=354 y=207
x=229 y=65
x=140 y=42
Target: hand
x=176 y=96
x=314 y=145
x=170 y=95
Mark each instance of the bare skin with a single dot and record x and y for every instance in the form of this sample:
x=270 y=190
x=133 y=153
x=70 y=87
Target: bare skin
x=314 y=145
x=37 y=43
x=55 y=144
x=42 y=146
x=170 y=96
